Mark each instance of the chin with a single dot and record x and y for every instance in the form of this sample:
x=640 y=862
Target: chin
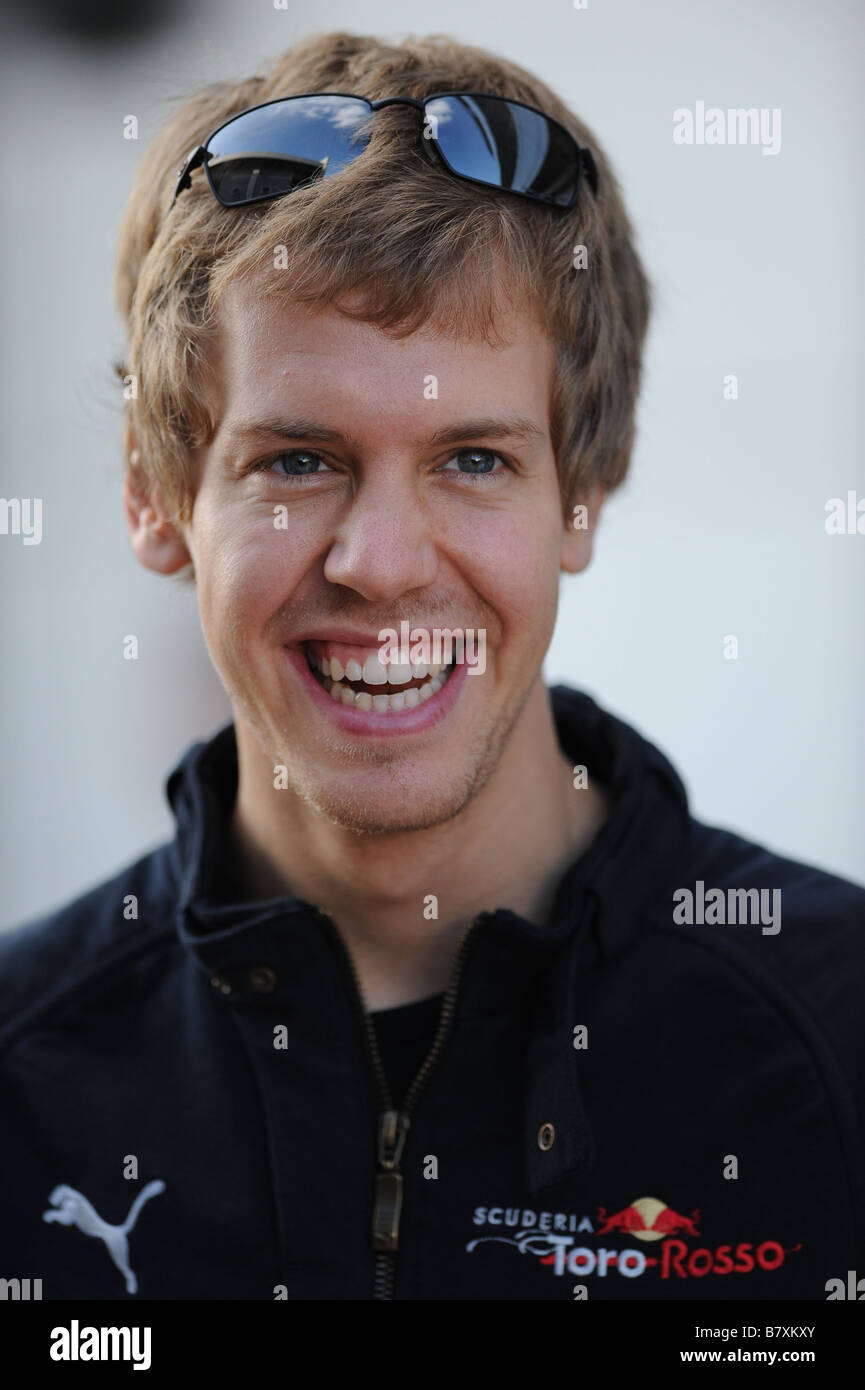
x=379 y=791
x=393 y=811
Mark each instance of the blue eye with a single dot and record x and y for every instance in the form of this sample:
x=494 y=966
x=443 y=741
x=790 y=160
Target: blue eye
x=302 y=462
x=475 y=463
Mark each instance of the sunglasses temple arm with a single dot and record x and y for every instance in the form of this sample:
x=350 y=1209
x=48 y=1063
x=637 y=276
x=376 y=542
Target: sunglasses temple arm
x=193 y=161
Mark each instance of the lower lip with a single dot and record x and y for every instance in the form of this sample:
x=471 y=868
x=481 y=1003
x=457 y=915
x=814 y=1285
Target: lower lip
x=371 y=723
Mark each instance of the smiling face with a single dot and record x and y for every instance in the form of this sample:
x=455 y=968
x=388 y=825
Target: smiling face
x=345 y=492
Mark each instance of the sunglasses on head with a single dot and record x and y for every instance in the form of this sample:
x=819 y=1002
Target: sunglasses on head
x=272 y=149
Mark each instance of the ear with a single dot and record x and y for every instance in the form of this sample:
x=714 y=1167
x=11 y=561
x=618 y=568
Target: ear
x=156 y=542
x=579 y=531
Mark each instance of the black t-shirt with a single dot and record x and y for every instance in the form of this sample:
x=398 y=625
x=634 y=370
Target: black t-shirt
x=405 y=1036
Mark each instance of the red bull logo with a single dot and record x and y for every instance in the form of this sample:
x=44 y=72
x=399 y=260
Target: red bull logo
x=648 y=1219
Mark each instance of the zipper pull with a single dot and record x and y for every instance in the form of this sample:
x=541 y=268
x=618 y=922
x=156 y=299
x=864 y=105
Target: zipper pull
x=392 y=1134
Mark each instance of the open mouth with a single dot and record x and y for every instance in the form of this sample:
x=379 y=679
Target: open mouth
x=376 y=687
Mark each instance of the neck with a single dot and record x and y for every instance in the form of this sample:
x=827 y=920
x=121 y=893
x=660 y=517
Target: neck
x=403 y=901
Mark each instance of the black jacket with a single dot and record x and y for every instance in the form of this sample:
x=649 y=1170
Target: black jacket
x=189 y=1084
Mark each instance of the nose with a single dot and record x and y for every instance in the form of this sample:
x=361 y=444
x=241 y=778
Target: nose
x=384 y=546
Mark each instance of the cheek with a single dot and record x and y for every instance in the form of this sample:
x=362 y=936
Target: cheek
x=247 y=570
x=513 y=564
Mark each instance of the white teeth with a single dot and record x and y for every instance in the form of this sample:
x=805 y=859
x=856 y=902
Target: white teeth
x=399 y=675
x=335 y=678
x=373 y=672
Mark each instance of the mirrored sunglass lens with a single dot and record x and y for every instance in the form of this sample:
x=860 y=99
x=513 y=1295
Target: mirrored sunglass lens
x=264 y=153
x=500 y=143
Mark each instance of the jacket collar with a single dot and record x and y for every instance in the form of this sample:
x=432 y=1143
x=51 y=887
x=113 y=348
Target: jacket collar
x=647 y=827
x=601 y=904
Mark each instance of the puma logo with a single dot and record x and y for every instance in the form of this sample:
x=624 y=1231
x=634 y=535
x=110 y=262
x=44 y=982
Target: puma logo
x=71 y=1208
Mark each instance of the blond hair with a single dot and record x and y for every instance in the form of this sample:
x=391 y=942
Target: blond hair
x=414 y=244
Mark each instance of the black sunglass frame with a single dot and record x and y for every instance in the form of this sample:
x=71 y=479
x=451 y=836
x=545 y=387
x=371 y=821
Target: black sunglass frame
x=199 y=156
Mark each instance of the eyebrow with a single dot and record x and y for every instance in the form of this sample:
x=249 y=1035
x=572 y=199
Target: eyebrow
x=487 y=427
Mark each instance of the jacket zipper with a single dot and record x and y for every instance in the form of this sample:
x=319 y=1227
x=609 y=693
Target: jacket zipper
x=394 y=1124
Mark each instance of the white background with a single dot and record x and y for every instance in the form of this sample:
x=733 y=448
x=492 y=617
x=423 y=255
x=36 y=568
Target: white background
x=757 y=267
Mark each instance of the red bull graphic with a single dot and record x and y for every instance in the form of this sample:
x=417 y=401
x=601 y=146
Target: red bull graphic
x=669 y=1222
x=646 y=1219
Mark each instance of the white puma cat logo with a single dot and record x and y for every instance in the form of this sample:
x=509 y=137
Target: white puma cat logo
x=71 y=1208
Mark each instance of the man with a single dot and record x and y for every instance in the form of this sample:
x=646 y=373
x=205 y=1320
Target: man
x=439 y=991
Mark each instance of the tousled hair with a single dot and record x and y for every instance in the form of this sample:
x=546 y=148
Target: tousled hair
x=411 y=244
